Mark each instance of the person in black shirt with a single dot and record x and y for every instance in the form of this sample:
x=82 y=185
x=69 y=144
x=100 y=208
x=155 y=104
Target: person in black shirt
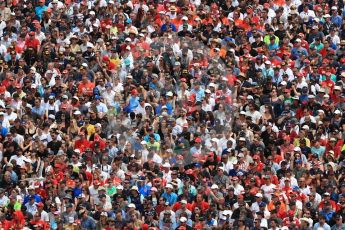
x=10 y=147
x=258 y=43
x=185 y=32
x=93 y=118
x=281 y=32
x=18 y=128
x=54 y=145
x=282 y=171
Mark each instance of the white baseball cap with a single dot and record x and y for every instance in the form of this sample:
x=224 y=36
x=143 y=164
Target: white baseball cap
x=214 y=186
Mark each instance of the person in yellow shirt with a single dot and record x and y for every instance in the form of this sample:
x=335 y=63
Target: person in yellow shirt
x=302 y=135
x=89 y=127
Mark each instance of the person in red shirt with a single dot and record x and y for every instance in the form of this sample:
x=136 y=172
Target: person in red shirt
x=258 y=165
x=106 y=22
x=327 y=197
x=82 y=144
x=87 y=176
x=200 y=203
x=18 y=221
x=32 y=42
x=108 y=64
x=291 y=219
x=328 y=84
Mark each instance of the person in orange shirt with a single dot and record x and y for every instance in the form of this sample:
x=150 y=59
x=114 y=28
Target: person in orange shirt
x=274 y=201
x=178 y=20
x=86 y=86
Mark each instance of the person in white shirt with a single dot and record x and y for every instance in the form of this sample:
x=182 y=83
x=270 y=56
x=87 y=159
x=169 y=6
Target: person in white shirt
x=4 y=122
x=141 y=107
x=185 y=22
x=182 y=119
x=176 y=130
x=92 y=20
x=268 y=187
x=44 y=215
x=238 y=189
x=10 y=116
x=4 y=200
x=93 y=190
x=31 y=206
x=253 y=113
x=55 y=4
x=19 y=158
x=258 y=199
x=166 y=172
x=306 y=14
x=108 y=94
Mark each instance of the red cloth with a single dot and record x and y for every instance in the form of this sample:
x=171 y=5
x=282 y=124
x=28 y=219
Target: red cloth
x=33 y=43
x=82 y=145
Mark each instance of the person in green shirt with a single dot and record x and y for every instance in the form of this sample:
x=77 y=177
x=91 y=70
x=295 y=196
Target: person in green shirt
x=267 y=38
x=153 y=143
x=317 y=44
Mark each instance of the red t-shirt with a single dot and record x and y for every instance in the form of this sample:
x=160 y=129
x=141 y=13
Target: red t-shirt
x=34 y=43
x=82 y=145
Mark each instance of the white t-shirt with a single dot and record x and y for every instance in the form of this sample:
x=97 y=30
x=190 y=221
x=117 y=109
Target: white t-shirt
x=255 y=115
x=44 y=216
x=19 y=160
x=10 y=117
x=268 y=190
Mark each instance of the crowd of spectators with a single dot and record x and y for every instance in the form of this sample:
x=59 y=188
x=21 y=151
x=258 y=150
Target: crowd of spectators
x=172 y=115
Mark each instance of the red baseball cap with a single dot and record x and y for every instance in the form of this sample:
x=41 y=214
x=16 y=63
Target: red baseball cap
x=197 y=140
x=134 y=92
x=105 y=58
x=40 y=204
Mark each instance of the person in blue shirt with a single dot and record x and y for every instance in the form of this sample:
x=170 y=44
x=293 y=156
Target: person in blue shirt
x=150 y=131
x=169 y=195
x=144 y=189
x=77 y=191
x=168 y=25
x=32 y=194
x=3 y=130
x=133 y=102
x=321 y=224
x=86 y=221
x=38 y=109
x=164 y=105
x=298 y=50
x=336 y=19
x=40 y=9
x=267 y=70
x=327 y=211
x=101 y=107
x=198 y=91
x=273 y=45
